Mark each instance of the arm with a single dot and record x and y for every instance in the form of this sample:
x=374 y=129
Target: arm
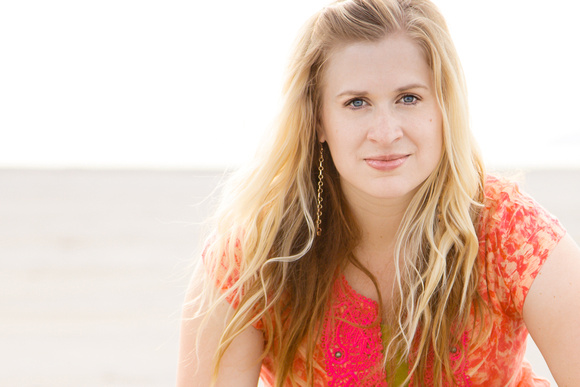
x=239 y=366
x=552 y=312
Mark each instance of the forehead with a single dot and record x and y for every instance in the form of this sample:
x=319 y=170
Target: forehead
x=388 y=63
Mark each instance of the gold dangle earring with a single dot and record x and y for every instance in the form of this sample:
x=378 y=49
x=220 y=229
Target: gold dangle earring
x=319 y=198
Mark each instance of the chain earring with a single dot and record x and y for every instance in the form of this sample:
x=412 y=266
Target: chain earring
x=319 y=198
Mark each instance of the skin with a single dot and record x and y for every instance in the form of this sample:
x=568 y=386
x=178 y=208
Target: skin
x=383 y=126
x=370 y=114
x=239 y=366
x=379 y=103
x=552 y=312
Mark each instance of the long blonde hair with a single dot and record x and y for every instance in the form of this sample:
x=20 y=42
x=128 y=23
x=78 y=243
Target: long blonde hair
x=264 y=254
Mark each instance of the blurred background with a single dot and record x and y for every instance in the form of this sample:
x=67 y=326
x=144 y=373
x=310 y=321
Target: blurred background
x=119 y=118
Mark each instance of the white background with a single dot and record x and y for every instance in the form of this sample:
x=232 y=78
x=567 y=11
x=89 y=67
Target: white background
x=180 y=84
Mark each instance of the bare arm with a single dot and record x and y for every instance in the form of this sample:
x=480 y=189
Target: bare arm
x=552 y=312
x=239 y=366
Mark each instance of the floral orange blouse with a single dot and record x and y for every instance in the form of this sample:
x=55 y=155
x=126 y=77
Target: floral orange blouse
x=516 y=236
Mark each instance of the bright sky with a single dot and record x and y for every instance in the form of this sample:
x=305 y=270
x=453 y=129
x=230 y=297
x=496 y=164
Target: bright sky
x=165 y=83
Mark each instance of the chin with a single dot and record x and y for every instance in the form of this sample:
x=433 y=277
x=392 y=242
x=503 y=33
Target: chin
x=392 y=193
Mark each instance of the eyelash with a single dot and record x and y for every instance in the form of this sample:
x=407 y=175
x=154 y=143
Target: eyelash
x=416 y=99
x=350 y=103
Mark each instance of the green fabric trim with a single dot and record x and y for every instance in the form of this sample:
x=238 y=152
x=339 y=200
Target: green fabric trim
x=403 y=369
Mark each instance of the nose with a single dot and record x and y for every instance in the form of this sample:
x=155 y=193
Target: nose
x=385 y=127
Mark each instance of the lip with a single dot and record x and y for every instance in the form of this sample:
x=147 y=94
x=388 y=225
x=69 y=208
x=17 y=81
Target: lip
x=387 y=162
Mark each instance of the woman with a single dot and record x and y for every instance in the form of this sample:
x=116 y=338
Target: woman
x=367 y=246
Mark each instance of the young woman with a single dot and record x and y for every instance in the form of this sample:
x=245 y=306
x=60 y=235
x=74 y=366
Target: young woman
x=368 y=247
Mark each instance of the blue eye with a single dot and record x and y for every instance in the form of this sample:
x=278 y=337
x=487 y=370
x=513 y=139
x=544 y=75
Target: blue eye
x=409 y=99
x=357 y=103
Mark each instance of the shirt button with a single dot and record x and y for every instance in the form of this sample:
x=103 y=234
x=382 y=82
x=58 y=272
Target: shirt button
x=338 y=354
x=453 y=349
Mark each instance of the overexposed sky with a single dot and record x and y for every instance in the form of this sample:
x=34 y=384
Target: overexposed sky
x=151 y=83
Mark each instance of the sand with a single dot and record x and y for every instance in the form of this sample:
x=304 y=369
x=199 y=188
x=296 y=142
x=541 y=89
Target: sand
x=95 y=264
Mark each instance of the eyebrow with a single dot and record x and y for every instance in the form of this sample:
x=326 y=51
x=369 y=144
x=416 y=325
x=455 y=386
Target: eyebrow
x=398 y=90
x=412 y=86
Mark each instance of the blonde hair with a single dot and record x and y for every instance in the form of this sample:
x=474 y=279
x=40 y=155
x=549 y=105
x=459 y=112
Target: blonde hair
x=263 y=252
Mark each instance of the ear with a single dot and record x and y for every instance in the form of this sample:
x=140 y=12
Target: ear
x=320 y=133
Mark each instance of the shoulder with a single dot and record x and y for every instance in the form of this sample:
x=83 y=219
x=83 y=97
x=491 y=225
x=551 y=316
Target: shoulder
x=516 y=236
x=222 y=261
x=510 y=212
x=503 y=197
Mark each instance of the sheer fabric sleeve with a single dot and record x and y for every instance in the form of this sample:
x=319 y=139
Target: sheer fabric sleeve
x=519 y=236
x=225 y=273
x=222 y=273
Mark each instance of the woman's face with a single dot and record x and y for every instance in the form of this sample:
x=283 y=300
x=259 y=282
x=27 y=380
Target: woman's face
x=380 y=118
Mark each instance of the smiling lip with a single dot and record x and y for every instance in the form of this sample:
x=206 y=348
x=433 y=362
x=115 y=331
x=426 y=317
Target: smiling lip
x=388 y=162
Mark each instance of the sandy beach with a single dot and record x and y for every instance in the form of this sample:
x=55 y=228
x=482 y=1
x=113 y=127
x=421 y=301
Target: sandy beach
x=95 y=265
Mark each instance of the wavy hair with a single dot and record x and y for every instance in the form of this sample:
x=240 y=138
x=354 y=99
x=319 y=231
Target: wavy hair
x=264 y=255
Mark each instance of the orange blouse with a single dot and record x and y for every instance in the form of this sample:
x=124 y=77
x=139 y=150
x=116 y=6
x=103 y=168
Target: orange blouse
x=516 y=236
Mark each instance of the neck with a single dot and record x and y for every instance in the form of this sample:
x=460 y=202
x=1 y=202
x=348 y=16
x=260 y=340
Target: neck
x=378 y=220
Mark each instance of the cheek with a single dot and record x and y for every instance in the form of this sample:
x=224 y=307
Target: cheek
x=331 y=129
x=430 y=136
x=340 y=147
x=438 y=138
x=436 y=125
x=342 y=140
